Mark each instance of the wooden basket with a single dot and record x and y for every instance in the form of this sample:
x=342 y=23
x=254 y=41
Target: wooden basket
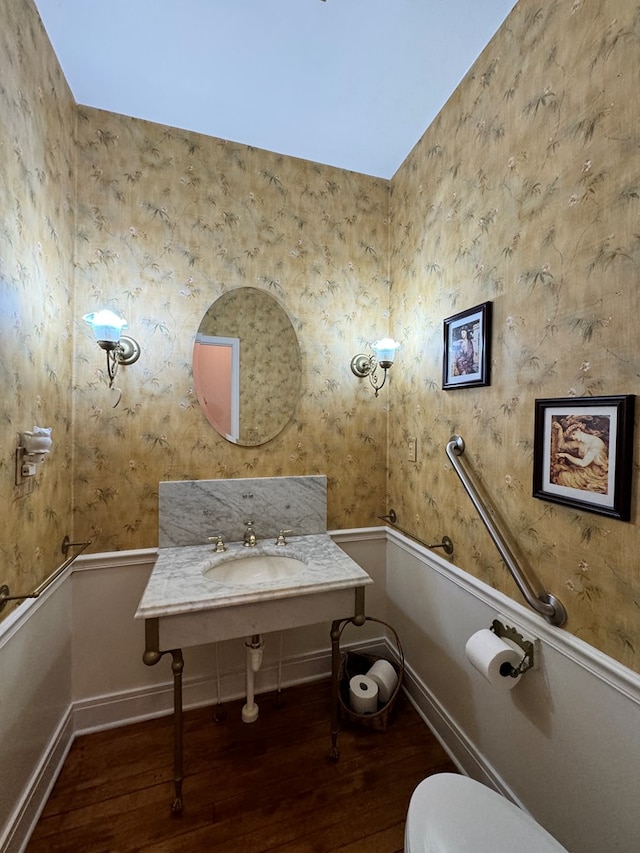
x=359 y=663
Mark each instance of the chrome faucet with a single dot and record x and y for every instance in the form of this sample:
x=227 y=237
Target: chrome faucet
x=249 y=535
x=220 y=546
x=281 y=540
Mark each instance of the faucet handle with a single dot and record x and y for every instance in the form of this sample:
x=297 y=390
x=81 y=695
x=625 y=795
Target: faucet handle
x=281 y=537
x=220 y=546
x=249 y=535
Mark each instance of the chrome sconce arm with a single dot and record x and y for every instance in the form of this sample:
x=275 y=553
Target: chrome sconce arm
x=120 y=349
x=383 y=356
x=366 y=365
x=125 y=351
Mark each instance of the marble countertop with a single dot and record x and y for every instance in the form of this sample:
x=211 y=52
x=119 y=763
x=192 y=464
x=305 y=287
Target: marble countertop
x=178 y=584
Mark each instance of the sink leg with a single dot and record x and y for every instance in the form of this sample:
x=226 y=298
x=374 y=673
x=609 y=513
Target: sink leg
x=334 y=753
x=151 y=656
x=219 y=715
x=177 y=666
x=279 y=694
x=358 y=619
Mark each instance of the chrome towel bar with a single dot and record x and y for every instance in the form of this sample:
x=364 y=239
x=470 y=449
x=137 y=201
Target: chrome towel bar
x=544 y=603
x=5 y=592
x=446 y=544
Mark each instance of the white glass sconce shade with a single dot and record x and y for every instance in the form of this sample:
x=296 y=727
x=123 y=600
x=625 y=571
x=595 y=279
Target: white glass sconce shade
x=385 y=352
x=107 y=327
x=367 y=365
x=120 y=349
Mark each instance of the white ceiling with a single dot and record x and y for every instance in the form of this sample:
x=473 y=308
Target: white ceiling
x=347 y=83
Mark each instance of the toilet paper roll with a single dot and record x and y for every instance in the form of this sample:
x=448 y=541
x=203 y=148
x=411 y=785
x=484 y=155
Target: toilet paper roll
x=385 y=676
x=363 y=694
x=489 y=653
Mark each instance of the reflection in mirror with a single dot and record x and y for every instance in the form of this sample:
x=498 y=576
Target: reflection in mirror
x=246 y=366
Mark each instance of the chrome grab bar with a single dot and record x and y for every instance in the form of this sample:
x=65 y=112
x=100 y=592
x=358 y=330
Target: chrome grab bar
x=544 y=603
x=5 y=592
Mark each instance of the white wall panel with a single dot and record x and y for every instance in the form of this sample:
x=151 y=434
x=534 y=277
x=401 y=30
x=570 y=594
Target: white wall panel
x=564 y=743
x=35 y=704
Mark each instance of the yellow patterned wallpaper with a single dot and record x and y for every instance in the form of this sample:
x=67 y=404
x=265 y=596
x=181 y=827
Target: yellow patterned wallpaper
x=37 y=119
x=526 y=192
x=169 y=220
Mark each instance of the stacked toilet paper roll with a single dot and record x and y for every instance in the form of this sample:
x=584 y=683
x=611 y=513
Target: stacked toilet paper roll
x=493 y=657
x=385 y=676
x=373 y=690
x=363 y=694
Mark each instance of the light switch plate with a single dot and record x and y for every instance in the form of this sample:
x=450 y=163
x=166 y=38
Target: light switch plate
x=412 y=449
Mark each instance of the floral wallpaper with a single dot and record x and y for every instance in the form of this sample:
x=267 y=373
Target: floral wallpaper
x=167 y=221
x=525 y=192
x=37 y=120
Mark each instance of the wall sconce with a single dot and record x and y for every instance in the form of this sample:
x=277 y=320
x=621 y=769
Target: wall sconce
x=33 y=448
x=107 y=327
x=384 y=352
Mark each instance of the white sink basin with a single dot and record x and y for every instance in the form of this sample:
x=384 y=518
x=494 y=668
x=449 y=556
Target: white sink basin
x=255 y=569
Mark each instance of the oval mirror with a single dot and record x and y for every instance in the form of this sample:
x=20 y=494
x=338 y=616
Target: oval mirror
x=246 y=366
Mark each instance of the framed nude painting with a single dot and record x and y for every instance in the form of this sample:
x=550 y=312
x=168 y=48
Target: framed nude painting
x=583 y=453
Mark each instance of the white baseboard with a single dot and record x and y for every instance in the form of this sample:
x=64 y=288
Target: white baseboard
x=120 y=709
x=29 y=809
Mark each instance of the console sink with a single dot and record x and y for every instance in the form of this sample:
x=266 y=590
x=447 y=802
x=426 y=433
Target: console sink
x=255 y=569
x=199 y=596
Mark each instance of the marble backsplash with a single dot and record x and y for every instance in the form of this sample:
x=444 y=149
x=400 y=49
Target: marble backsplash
x=190 y=511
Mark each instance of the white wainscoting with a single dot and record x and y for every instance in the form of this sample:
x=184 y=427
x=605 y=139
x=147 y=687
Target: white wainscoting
x=564 y=744
x=71 y=663
x=36 y=727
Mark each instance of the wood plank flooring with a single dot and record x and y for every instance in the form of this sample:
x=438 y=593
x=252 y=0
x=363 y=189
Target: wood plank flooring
x=248 y=788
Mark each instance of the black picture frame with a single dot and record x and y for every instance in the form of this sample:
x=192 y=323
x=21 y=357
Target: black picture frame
x=598 y=428
x=466 y=360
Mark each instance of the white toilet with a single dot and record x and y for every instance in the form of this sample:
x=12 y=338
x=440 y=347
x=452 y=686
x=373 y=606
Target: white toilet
x=449 y=813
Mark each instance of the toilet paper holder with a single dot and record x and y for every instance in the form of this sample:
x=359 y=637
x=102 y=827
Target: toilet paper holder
x=506 y=632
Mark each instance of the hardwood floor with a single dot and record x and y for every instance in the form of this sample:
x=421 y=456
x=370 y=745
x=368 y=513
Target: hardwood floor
x=248 y=788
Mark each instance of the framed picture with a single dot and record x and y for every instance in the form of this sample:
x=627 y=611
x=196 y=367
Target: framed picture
x=583 y=453
x=467 y=348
